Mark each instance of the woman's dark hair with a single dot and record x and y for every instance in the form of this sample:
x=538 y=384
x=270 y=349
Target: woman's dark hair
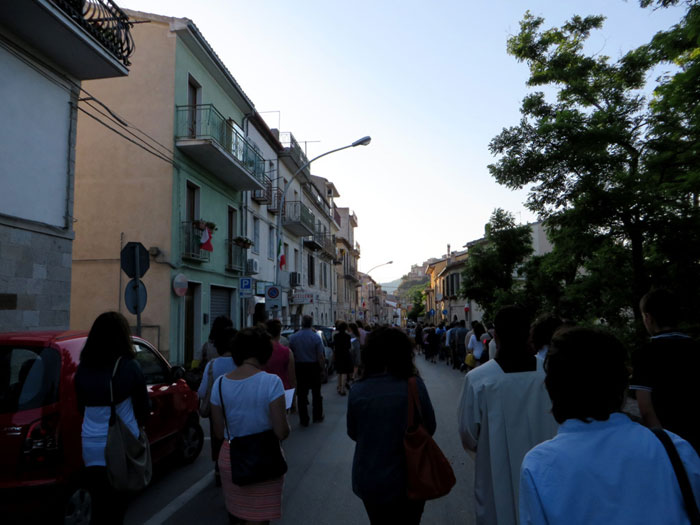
x=342 y=326
x=274 y=327
x=252 y=342
x=586 y=374
x=662 y=305
x=109 y=338
x=478 y=329
x=218 y=325
x=543 y=329
x=224 y=340
x=388 y=350
x=353 y=328
x=512 y=324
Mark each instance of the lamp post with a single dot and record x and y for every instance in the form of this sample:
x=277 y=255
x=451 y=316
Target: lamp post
x=375 y=267
x=364 y=141
x=375 y=289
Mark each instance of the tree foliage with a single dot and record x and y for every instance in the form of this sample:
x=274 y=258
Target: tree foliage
x=613 y=171
x=489 y=274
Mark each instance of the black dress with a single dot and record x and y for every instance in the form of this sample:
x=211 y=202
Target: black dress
x=343 y=357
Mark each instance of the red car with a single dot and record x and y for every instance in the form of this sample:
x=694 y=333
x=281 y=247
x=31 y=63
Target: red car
x=41 y=461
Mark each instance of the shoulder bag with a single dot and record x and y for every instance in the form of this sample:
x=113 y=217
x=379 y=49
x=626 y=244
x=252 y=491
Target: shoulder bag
x=205 y=402
x=429 y=474
x=127 y=458
x=691 y=506
x=256 y=457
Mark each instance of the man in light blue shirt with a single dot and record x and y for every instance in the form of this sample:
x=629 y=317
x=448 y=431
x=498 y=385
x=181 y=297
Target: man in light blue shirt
x=601 y=467
x=309 y=361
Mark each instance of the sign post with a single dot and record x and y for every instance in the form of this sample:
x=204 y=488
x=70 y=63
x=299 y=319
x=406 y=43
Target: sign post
x=273 y=297
x=135 y=263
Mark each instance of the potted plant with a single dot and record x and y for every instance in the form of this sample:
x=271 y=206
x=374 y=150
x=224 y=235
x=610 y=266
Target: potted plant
x=201 y=224
x=243 y=242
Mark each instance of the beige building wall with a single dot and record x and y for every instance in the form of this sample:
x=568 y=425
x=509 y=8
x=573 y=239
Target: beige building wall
x=123 y=193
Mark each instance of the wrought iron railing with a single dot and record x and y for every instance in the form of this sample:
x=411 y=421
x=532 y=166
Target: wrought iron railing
x=204 y=121
x=351 y=272
x=292 y=147
x=336 y=216
x=275 y=199
x=192 y=241
x=297 y=212
x=235 y=256
x=263 y=196
x=105 y=21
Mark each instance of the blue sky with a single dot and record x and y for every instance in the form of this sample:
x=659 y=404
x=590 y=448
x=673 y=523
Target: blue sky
x=431 y=82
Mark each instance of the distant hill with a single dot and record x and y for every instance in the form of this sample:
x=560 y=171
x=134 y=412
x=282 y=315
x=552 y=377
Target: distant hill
x=391 y=286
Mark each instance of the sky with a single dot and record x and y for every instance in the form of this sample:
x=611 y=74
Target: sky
x=430 y=82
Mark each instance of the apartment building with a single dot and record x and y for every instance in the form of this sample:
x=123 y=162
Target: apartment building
x=47 y=49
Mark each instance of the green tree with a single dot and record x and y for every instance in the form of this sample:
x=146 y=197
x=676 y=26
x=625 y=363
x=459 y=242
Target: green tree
x=488 y=276
x=417 y=297
x=593 y=158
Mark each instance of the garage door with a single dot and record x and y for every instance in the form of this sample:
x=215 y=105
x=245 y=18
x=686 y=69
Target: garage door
x=220 y=302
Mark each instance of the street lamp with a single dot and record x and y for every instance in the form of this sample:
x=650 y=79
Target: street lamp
x=364 y=141
x=383 y=264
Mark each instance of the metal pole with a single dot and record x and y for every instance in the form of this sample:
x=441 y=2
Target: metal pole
x=137 y=286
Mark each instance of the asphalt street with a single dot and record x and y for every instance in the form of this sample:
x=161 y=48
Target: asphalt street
x=317 y=486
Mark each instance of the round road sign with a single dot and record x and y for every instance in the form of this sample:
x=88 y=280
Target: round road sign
x=180 y=284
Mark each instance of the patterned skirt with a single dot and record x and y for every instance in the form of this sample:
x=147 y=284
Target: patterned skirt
x=257 y=502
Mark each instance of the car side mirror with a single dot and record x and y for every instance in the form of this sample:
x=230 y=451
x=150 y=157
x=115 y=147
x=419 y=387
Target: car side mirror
x=177 y=373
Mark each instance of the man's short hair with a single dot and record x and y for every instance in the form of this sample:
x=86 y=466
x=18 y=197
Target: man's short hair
x=274 y=327
x=252 y=342
x=512 y=324
x=662 y=305
x=307 y=321
x=586 y=374
x=543 y=329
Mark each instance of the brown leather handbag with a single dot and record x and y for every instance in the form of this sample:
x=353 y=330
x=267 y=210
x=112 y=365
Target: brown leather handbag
x=429 y=474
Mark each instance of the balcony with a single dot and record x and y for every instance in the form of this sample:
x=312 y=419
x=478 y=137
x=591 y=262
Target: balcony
x=275 y=199
x=87 y=39
x=323 y=242
x=336 y=216
x=263 y=196
x=351 y=273
x=315 y=196
x=298 y=219
x=353 y=220
x=235 y=257
x=204 y=135
x=293 y=156
x=357 y=249
x=191 y=237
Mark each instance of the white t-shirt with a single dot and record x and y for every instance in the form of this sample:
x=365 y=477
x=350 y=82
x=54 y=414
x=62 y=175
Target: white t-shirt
x=246 y=402
x=220 y=366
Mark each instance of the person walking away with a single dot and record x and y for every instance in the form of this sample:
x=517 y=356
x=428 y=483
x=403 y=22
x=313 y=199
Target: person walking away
x=308 y=356
x=475 y=343
x=281 y=362
x=342 y=356
x=665 y=370
x=355 y=349
x=450 y=344
x=418 y=337
x=460 y=336
x=248 y=401
x=601 y=467
x=363 y=332
x=541 y=333
x=109 y=339
x=214 y=369
x=376 y=421
x=504 y=411
x=208 y=350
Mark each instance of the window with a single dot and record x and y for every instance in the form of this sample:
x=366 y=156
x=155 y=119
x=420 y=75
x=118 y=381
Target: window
x=256 y=235
x=297 y=262
x=311 y=274
x=271 y=238
x=154 y=370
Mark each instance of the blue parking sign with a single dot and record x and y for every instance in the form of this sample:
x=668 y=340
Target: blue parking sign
x=245 y=287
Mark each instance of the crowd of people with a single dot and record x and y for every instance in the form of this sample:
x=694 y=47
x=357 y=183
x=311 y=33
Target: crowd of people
x=540 y=412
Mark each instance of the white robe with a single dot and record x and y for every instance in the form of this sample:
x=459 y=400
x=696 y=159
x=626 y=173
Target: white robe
x=502 y=416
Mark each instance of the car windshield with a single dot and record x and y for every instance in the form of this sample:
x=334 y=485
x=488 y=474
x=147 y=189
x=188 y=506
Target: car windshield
x=28 y=378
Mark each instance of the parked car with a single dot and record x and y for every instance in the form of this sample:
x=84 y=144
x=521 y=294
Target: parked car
x=41 y=465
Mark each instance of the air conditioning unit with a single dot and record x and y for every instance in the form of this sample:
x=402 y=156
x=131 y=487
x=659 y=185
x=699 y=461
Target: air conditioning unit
x=252 y=267
x=294 y=279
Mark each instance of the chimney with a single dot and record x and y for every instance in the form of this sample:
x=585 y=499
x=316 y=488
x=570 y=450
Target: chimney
x=448 y=250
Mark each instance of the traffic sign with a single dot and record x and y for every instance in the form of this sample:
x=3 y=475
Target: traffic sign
x=245 y=287
x=432 y=311
x=444 y=312
x=273 y=297
x=134 y=259
x=180 y=283
x=135 y=296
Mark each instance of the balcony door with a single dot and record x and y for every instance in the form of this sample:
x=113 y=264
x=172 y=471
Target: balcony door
x=194 y=99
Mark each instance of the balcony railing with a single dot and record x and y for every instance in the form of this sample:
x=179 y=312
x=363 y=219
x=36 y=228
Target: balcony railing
x=336 y=216
x=317 y=198
x=292 y=149
x=191 y=242
x=263 y=196
x=275 y=199
x=103 y=19
x=235 y=256
x=323 y=241
x=298 y=218
x=205 y=122
x=351 y=273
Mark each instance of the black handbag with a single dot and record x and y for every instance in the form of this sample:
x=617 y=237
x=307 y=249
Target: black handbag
x=256 y=457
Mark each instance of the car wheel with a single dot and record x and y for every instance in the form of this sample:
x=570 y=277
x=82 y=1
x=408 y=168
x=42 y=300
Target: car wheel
x=190 y=441
x=78 y=507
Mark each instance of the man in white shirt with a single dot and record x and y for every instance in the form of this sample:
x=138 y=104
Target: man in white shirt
x=504 y=411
